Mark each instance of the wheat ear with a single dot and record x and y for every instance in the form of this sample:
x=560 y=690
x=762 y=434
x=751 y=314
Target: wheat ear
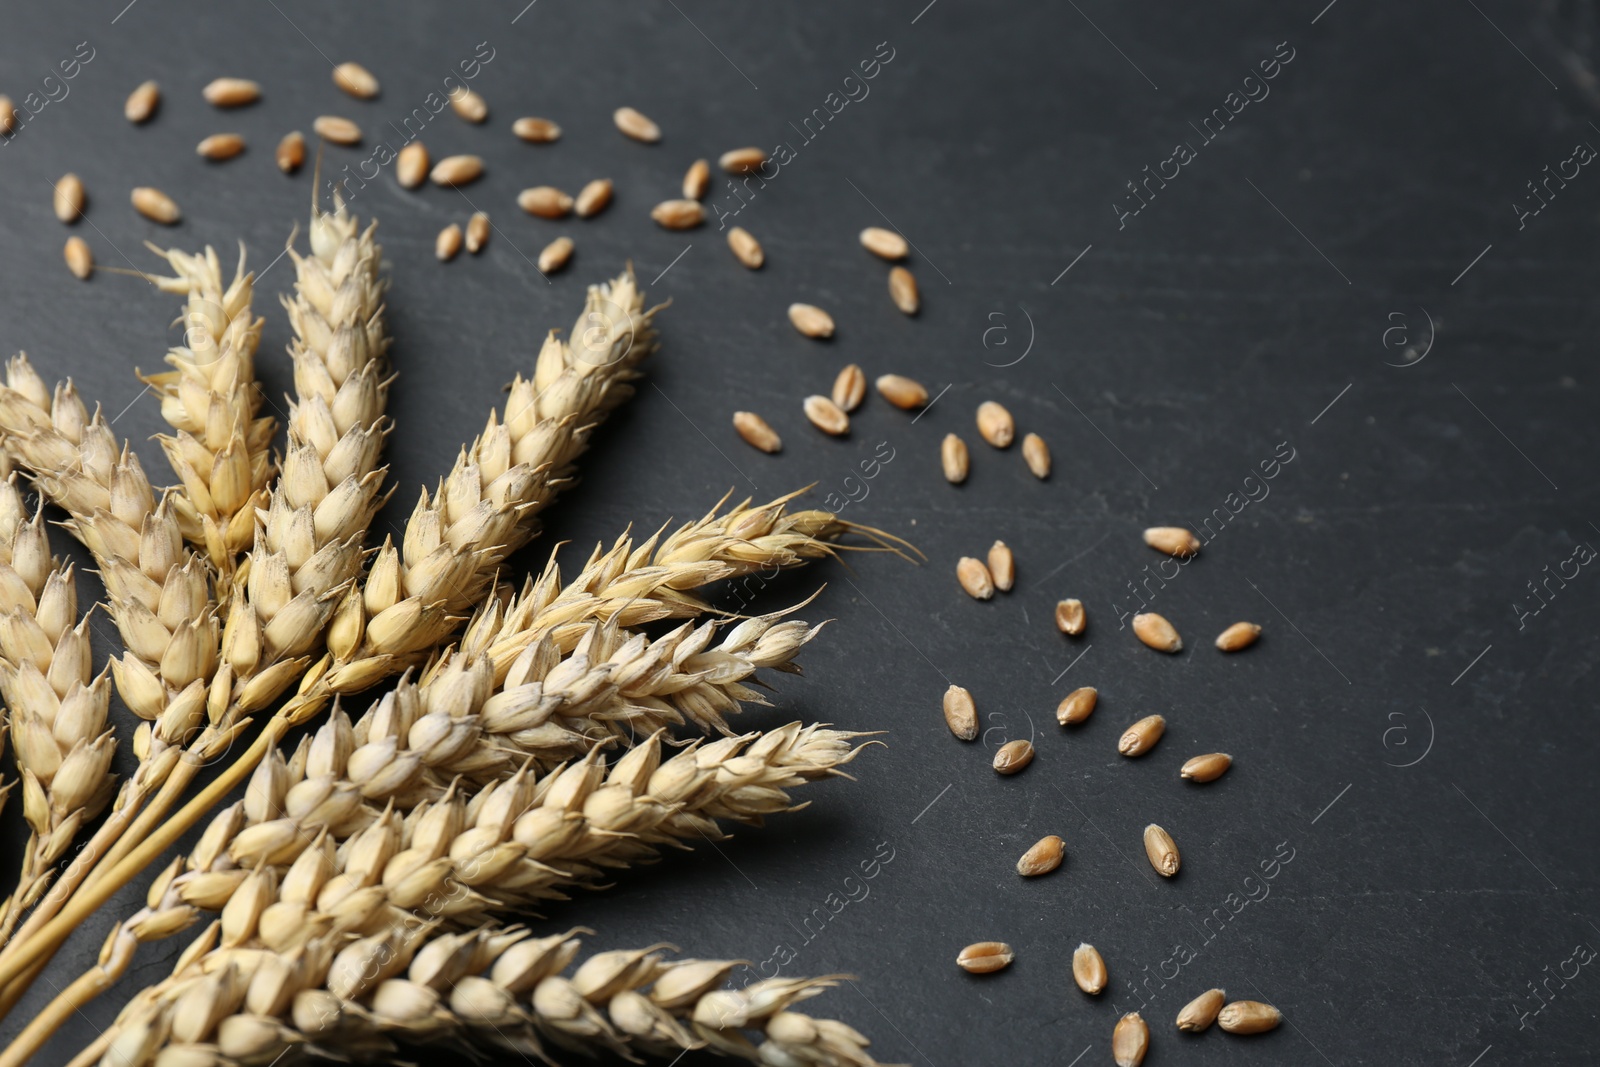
x=497 y=989
x=222 y=450
x=63 y=746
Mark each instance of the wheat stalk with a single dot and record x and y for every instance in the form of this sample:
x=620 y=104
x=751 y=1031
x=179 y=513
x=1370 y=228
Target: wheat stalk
x=63 y=746
x=497 y=989
x=210 y=397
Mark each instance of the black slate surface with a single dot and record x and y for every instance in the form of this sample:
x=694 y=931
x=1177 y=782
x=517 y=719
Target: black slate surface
x=1351 y=273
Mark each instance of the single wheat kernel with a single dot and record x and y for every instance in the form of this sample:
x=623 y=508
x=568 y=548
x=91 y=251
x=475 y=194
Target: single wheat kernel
x=954 y=458
x=1201 y=1012
x=448 y=243
x=903 y=290
x=755 y=431
x=811 y=321
x=1044 y=857
x=746 y=249
x=555 y=255
x=883 y=243
x=220 y=146
x=908 y=394
x=155 y=205
x=336 y=130
x=456 y=170
x=1130 y=1040
x=1002 y=566
x=1077 y=706
x=1070 y=618
x=1249 y=1017
x=995 y=424
x=69 y=197
x=469 y=105
x=1089 y=969
x=635 y=125
x=985 y=957
x=678 y=214
x=291 y=152
x=545 y=201
x=1013 y=756
x=1142 y=736
x=411 y=165
x=742 y=160
x=231 y=92
x=8 y=115
x=477 y=232
x=1154 y=630
x=850 y=388
x=1036 y=454
x=826 y=416
x=1161 y=850
x=593 y=198
x=1173 y=540
x=696 y=180
x=960 y=713
x=1238 y=636
x=1207 y=768
x=975 y=578
x=80 y=260
x=536 y=130
x=356 y=80
x=142 y=103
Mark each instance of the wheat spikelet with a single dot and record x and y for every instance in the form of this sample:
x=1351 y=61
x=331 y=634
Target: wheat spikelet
x=63 y=745
x=221 y=451
x=495 y=990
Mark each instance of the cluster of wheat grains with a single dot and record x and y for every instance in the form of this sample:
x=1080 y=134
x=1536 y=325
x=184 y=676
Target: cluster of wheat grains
x=520 y=755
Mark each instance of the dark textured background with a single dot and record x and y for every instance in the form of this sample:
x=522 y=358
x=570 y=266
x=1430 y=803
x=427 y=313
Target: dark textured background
x=1245 y=306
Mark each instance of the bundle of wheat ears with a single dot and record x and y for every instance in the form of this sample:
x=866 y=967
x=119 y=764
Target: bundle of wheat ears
x=368 y=885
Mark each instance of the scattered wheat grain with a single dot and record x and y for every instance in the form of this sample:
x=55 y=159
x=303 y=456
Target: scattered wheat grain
x=633 y=124
x=1013 y=756
x=555 y=255
x=477 y=232
x=1077 y=706
x=68 y=198
x=903 y=290
x=908 y=394
x=756 y=431
x=1002 y=566
x=1089 y=969
x=1070 y=617
x=696 y=180
x=142 y=103
x=1155 y=631
x=337 y=130
x=975 y=578
x=1207 y=768
x=985 y=957
x=155 y=205
x=827 y=416
x=1130 y=1040
x=80 y=260
x=356 y=80
x=536 y=130
x=469 y=105
x=231 y=92
x=678 y=214
x=1036 y=454
x=995 y=424
x=1201 y=1012
x=1240 y=635
x=220 y=146
x=1249 y=1017
x=593 y=198
x=742 y=160
x=448 y=243
x=954 y=459
x=1142 y=736
x=883 y=243
x=811 y=320
x=1173 y=540
x=1043 y=857
x=457 y=170
x=545 y=201
x=411 y=165
x=850 y=388
x=746 y=249
x=1161 y=850
x=960 y=713
x=291 y=152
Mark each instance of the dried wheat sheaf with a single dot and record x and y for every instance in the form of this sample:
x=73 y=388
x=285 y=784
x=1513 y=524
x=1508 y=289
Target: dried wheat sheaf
x=367 y=887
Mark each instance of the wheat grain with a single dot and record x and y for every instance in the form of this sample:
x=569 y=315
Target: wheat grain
x=155 y=205
x=231 y=92
x=907 y=394
x=1201 y=1012
x=141 y=104
x=635 y=125
x=811 y=320
x=903 y=290
x=826 y=416
x=1240 y=635
x=411 y=165
x=975 y=579
x=79 y=257
x=1037 y=455
x=1013 y=756
x=555 y=255
x=1130 y=1040
x=536 y=130
x=756 y=431
x=448 y=243
x=995 y=424
x=1043 y=857
x=746 y=249
x=678 y=214
x=696 y=180
x=960 y=713
x=1156 y=632
x=593 y=198
x=849 y=388
x=220 y=146
x=1089 y=969
x=985 y=957
x=1002 y=566
x=477 y=232
x=457 y=170
x=68 y=199
x=886 y=244
x=545 y=201
x=742 y=160
x=337 y=129
x=954 y=459
x=8 y=115
x=356 y=80
x=468 y=104
x=1077 y=706
x=291 y=152
x=1070 y=617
